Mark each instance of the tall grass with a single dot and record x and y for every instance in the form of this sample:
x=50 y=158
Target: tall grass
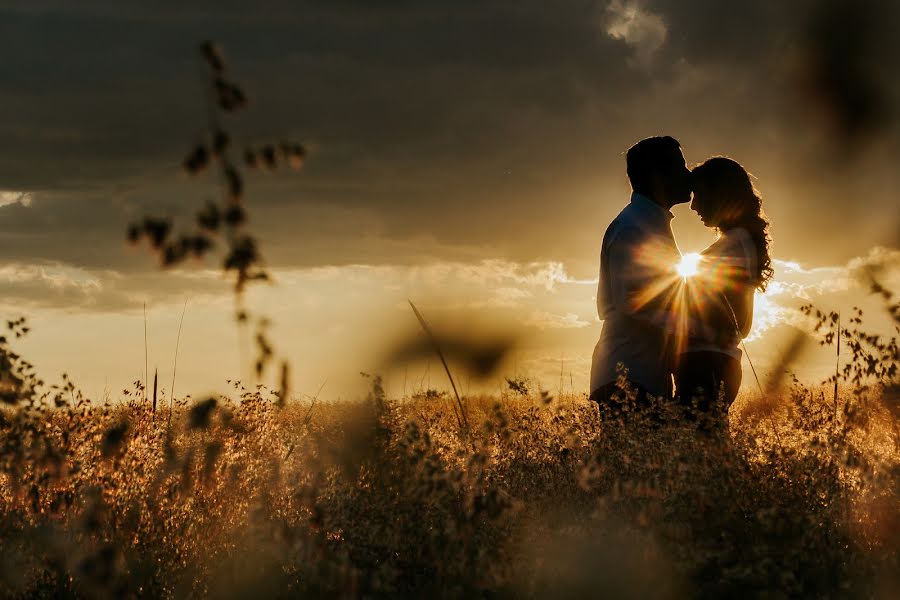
x=380 y=498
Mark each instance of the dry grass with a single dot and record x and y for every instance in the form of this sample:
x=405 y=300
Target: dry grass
x=382 y=497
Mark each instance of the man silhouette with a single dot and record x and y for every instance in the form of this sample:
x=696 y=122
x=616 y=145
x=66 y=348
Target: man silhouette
x=637 y=262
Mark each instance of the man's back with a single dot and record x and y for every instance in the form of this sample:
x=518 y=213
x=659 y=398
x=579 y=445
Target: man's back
x=636 y=279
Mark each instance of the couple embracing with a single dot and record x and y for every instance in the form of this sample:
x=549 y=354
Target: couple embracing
x=665 y=326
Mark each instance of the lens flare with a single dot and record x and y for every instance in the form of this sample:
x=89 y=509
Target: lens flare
x=684 y=293
x=689 y=265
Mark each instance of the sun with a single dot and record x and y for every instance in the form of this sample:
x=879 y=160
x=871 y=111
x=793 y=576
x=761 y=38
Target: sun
x=688 y=265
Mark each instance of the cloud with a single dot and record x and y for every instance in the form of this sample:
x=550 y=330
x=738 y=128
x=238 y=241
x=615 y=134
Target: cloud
x=55 y=275
x=446 y=285
x=792 y=278
x=57 y=286
x=642 y=30
x=545 y=275
x=547 y=320
x=835 y=286
x=878 y=260
x=8 y=197
x=510 y=296
x=335 y=318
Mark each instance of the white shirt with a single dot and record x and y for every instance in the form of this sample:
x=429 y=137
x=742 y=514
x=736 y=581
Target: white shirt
x=637 y=270
x=725 y=284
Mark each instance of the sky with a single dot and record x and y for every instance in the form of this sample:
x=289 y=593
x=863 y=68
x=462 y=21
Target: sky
x=464 y=155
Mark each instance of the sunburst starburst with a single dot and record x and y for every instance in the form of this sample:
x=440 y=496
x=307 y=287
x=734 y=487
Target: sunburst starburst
x=689 y=265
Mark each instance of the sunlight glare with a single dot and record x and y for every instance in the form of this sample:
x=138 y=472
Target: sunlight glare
x=688 y=265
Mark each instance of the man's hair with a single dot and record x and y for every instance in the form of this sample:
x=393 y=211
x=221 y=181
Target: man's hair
x=647 y=157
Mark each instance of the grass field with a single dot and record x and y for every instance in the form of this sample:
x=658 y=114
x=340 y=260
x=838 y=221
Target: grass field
x=389 y=497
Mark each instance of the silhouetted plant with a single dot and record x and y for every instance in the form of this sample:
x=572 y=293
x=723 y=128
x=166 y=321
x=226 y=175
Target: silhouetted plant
x=519 y=385
x=18 y=380
x=871 y=358
x=380 y=498
x=226 y=218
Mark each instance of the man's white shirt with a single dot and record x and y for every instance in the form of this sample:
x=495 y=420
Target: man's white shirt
x=637 y=266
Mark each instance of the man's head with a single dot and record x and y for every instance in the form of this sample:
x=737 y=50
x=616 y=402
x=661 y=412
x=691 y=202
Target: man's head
x=656 y=169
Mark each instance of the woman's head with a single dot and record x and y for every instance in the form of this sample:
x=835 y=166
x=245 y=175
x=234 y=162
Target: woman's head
x=725 y=198
x=723 y=193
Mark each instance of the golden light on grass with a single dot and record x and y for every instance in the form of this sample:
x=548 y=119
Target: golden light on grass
x=689 y=265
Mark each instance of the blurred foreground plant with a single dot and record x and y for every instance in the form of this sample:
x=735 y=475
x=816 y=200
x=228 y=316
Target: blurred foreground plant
x=225 y=219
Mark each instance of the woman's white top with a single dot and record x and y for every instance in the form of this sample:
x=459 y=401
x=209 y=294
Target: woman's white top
x=725 y=284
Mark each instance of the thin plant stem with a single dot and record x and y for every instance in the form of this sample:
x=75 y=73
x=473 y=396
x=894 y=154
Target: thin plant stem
x=437 y=348
x=175 y=362
x=737 y=329
x=308 y=415
x=837 y=366
x=146 y=362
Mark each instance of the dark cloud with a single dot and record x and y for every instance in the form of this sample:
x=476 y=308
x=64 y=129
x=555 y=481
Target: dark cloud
x=437 y=129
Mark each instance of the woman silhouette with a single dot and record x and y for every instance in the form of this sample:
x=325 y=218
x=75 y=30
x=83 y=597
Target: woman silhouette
x=720 y=295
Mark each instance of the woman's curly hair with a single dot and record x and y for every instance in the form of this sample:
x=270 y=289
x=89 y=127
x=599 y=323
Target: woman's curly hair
x=738 y=204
